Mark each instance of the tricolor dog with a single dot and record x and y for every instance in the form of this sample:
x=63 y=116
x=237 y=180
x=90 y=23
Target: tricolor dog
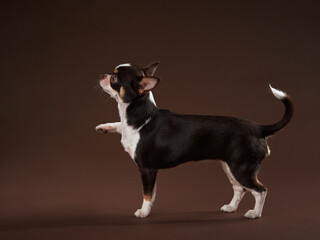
x=158 y=139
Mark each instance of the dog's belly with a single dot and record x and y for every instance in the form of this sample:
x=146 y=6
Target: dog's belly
x=165 y=158
x=174 y=151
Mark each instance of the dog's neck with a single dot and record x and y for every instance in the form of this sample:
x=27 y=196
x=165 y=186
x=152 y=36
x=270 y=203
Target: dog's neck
x=138 y=112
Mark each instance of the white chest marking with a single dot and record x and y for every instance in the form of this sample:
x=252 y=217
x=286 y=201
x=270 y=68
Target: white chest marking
x=130 y=136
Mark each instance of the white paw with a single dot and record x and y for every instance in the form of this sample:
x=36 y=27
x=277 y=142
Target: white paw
x=228 y=208
x=141 y=214
x=100 y=129
x=103 y=128
x=252 y=214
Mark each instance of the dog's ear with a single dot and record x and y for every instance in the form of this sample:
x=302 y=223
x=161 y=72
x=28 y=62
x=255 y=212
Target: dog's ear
x=150 y=69
x=148 y=83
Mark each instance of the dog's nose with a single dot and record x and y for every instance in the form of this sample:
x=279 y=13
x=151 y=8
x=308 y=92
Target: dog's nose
x=103 y=76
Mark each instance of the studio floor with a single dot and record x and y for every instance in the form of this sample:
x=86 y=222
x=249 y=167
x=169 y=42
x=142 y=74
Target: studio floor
x=165 y=225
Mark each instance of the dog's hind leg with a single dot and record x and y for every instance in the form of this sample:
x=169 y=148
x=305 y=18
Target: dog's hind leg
x=246 y=175
x=259 y=198
x=238 y=190
x=149 y=192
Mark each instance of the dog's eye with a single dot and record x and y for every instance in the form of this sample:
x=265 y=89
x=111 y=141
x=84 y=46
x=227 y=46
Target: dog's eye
x=114 y=78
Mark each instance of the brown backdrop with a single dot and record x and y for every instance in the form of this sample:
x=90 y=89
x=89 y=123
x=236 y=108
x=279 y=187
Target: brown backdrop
x=59 y=179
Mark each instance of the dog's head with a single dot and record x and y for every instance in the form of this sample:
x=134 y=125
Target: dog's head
x=128 y=81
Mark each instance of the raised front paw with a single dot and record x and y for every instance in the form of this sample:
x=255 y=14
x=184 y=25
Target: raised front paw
x=104 y=128
x=141 y=213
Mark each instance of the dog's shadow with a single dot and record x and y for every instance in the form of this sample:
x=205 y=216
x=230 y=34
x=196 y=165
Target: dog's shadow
x=214 y=217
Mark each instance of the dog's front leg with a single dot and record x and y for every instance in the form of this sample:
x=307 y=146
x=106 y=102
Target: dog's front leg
x=148 y=177
x=109 y=128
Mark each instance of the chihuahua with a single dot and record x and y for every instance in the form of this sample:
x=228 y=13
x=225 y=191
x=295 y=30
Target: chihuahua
x=158 y=139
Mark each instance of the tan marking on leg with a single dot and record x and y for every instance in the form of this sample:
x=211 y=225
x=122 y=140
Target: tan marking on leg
x=147 y=197
x=151 y=196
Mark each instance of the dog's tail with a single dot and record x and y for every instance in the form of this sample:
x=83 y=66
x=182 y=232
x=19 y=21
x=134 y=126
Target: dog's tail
x=268 y=130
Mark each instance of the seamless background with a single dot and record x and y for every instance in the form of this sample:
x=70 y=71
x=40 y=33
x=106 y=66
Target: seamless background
x=59 y=179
